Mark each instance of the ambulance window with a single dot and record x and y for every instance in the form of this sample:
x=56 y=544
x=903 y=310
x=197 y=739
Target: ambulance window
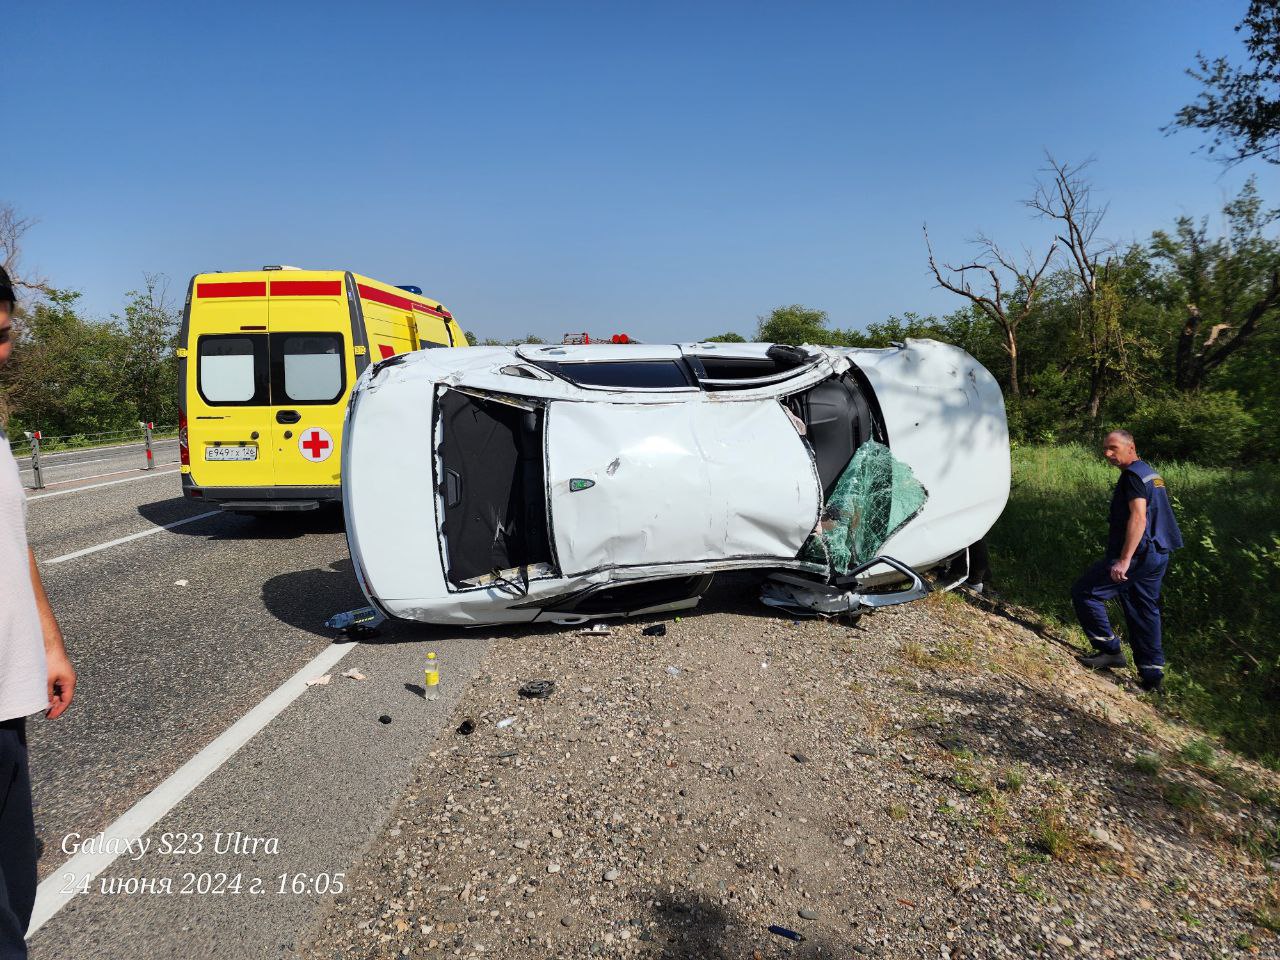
x=233 y=369
x=307 y=367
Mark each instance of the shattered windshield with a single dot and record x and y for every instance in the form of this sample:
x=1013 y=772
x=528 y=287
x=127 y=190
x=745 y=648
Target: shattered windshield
x=876 y=494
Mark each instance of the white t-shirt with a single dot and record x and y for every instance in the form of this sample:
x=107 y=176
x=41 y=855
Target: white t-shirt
x=24 y=677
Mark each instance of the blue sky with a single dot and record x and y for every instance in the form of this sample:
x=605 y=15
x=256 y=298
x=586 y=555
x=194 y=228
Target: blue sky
x=668 y=170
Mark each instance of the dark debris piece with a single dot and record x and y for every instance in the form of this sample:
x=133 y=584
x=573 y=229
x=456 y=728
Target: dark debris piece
x=467 y=727
x=657 y=630
x=384 y=719
x=784 y=932
x=538 y=689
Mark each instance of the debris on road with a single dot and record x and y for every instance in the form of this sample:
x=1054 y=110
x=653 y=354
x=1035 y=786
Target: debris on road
x=784 y=932
x=538 y=689
x=505 y=722
x=359 y=624
x=320 y=681
x=431 y=676
x=384 y=719
x=657 y=630
x=596 y=628
x=354 y=674
x=466 y=727
x=180 y=583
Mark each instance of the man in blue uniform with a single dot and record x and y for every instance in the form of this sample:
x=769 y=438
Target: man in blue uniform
x=1141 y=536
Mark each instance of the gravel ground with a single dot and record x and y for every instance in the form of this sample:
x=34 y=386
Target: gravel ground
x=938 y=781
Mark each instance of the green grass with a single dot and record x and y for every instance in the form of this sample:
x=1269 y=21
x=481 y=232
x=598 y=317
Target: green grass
x=1199 y=752
x=1054 y=833
x=1182 y=796
x=1221 y=595
x=1148 y=763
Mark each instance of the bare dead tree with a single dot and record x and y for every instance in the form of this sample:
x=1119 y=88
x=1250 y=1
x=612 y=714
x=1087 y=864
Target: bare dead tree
x=12 y=229
x=1065 y=198
x=1002 y=307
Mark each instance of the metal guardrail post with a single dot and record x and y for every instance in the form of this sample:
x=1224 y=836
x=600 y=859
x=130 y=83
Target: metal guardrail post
x=34 y=437
x=146 y=429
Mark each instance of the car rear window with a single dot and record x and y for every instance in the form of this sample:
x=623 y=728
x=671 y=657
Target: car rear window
x=310 y=367
x=233 y=369
x=280 y=369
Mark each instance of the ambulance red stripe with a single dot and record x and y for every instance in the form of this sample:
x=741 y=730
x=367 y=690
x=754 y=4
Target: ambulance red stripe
x=306 y=288
x=403 y=303
x=234 y=288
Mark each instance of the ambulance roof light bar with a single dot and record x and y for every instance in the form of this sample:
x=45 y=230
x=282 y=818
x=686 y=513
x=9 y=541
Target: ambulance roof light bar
x=280 y=266
x=582 y=339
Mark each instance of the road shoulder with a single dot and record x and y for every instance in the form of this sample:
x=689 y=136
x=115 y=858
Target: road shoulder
x=937 y=782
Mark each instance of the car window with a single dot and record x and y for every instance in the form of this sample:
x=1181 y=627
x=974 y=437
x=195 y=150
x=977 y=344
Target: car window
x=232 y=369
x=622 y=373
x=730 y=372
x=310 y=368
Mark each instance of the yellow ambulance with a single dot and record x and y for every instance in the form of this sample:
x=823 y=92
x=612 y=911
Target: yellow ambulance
x=266 y=360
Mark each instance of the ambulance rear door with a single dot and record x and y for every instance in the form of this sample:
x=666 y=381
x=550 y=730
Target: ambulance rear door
x=228 y=384
x=312 y=368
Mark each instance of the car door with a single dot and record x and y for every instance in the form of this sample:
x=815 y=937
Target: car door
x=312 y=367
x=228 y=388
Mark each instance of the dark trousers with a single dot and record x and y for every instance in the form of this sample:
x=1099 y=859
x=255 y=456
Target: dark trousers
x=1139 y=597
x=17 y=841
x=979 y=563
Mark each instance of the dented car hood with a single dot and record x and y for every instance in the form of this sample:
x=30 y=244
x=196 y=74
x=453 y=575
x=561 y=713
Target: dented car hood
x=633 y=484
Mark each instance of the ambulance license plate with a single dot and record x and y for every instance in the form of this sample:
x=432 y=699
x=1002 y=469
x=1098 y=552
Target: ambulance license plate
x=231 y=453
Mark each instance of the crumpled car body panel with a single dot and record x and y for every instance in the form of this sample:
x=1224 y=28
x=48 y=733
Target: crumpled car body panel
x=944 y=414
x=678 y=482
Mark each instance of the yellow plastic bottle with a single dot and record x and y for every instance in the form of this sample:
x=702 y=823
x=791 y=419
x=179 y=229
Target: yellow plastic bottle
x=432 y=677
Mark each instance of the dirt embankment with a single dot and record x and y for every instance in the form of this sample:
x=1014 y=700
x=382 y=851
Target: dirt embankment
x=936 y=782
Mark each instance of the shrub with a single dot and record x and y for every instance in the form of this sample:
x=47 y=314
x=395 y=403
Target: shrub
x=1205 y=427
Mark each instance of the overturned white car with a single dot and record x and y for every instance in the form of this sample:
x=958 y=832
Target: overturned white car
x=567 y=483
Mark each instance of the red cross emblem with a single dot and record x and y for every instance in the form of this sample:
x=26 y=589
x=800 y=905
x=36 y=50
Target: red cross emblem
x=315 y=444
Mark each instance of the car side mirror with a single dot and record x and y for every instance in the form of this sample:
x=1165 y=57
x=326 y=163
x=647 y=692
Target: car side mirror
x=917 y=589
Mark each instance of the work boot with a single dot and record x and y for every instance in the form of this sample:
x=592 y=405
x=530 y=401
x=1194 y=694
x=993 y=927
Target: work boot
x=1150 y=679
x=1104 y=661
x=1151 y=684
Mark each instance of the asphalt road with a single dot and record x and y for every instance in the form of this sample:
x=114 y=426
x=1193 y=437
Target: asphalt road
x=176 y=635
x=97 y=464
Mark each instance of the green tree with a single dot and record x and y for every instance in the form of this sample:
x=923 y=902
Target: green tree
x=1239 y=106
x=150 y=372
x=1102 y=342
x=796 y=324
x=1229 y=286
x=1007 y=304
x=66 y=373
x=729 y=337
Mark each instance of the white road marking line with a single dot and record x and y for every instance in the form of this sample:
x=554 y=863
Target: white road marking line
x=109 y=483
x=133 y=536
x=146 y=813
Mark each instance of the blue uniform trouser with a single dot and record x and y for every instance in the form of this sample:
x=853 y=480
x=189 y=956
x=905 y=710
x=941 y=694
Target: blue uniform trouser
x=1139 y=597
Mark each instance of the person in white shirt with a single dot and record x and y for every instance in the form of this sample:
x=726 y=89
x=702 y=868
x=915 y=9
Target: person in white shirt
x=35 y=675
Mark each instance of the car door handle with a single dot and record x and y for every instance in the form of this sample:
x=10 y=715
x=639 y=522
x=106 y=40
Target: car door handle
x=452 y=488
x=288 y=416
